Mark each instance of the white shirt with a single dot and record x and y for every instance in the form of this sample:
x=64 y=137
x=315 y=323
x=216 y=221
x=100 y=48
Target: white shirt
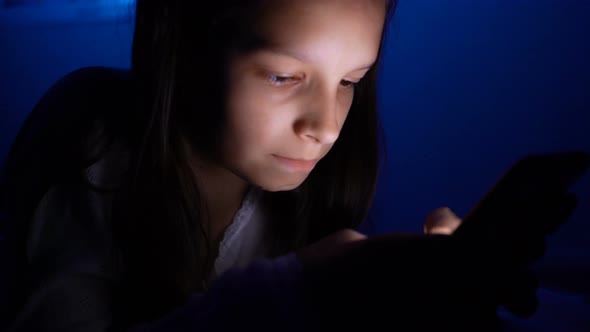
x=246 y=238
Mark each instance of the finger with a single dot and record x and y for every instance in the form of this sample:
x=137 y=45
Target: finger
x=441 y=221
x=345 y=236
x=330 y=246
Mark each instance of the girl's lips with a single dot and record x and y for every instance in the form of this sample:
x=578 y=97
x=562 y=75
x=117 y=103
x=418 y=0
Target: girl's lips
x=296 y=164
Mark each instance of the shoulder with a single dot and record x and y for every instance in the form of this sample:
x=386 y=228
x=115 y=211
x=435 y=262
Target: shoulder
x=91 y=79
x=69 y=148
x=88 y=86
x=83 y=94
x=73 y=105
x=68 y=130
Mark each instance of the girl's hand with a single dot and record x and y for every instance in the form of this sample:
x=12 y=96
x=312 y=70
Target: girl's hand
x=441 y=221
x=351 y=282
x=331 y=246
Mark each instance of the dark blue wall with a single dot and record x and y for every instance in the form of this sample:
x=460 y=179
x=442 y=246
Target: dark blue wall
x=471 y=86
x=40 y=45
x=468 y=87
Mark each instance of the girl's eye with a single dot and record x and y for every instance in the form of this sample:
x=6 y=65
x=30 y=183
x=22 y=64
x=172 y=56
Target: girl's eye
x=348 y=84
x=277 y=80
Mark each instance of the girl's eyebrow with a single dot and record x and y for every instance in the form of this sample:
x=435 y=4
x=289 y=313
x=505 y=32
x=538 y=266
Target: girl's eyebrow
x=301 y=57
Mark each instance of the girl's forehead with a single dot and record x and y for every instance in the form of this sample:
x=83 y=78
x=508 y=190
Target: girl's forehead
x=314 y=28
x=322 y=9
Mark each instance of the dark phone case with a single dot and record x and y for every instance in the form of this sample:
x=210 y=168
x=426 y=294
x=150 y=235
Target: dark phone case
x=534 y=176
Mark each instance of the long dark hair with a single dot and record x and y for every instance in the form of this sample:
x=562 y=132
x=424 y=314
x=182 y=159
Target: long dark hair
x=164 y=240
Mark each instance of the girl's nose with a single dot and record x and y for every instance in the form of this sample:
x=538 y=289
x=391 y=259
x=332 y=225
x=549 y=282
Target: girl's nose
x=320 y=121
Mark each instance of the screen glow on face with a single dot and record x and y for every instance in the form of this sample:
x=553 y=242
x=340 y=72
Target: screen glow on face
x=288 y=100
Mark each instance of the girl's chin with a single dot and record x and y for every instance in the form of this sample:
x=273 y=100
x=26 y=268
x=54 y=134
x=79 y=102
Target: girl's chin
x=281 y=185
x=275 y=187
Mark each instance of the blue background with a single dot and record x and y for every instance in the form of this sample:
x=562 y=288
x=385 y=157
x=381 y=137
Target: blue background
x=467 y=88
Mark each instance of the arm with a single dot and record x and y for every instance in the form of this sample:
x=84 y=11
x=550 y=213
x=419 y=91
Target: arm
x=262 y=297
x=73 y=279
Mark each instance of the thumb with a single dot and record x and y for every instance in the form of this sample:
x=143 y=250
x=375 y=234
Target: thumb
x=330 y=246
x=441 y=221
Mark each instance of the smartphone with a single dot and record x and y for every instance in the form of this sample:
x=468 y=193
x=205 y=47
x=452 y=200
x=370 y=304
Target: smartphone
x=528 y=189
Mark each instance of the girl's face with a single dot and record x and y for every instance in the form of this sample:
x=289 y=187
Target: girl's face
x=288 y=100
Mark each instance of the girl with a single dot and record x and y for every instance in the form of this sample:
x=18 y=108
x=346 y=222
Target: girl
x=216 y=184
